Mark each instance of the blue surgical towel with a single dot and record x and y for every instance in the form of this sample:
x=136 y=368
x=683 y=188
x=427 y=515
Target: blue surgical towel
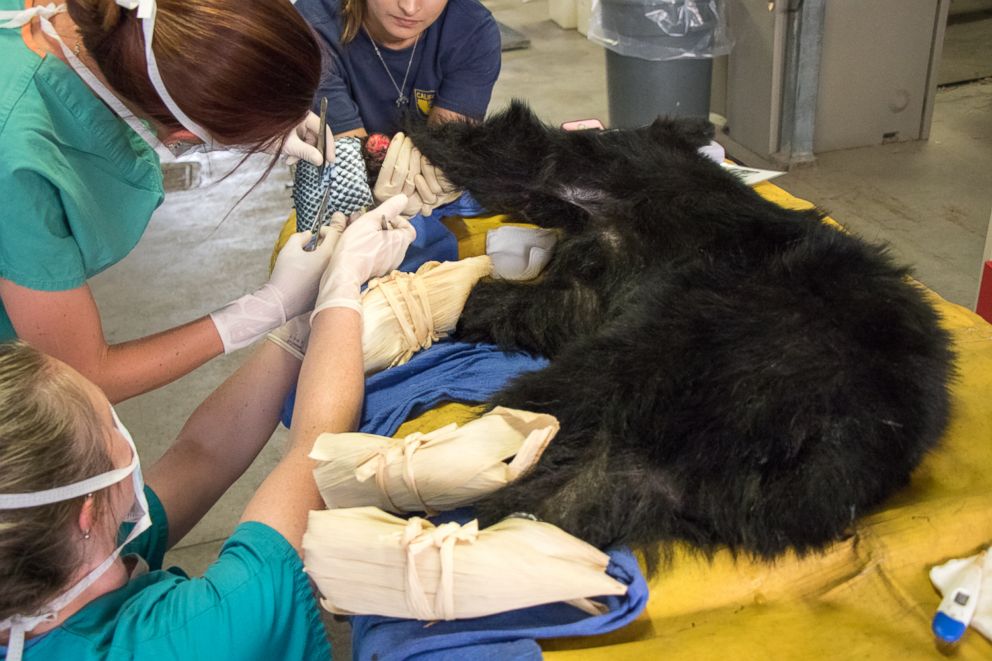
x=434 y=241
x=447 y=372
x=465 y=206
x=511 y=635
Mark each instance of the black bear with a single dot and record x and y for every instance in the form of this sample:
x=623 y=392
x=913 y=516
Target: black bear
x=726 y=372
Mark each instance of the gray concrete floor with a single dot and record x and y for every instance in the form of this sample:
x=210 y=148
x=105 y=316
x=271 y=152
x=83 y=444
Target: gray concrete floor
x=967 y=51
x=930 y=200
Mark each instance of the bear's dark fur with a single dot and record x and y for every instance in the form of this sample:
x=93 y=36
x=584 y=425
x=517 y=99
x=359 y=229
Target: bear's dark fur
x=726 y=372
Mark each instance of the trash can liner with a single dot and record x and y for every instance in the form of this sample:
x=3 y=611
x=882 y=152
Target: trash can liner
x=661 y=29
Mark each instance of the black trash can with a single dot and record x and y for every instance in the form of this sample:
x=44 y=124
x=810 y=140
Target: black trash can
x=659 y=56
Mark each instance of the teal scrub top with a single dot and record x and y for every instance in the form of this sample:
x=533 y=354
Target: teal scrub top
x=77 y=184
x=253 y=602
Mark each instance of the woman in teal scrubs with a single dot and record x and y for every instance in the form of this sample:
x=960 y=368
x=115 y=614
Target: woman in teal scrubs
x=78 y=183
x=71 y=477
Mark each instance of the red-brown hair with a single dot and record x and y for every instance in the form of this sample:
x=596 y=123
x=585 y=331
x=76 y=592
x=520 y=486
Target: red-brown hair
x=245 y=70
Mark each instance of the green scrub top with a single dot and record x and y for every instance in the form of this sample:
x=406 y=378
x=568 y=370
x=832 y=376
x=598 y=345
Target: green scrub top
x=253 y=602
x=77 y=185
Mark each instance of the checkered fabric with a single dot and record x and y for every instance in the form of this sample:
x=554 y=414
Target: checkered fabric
x=347 y=179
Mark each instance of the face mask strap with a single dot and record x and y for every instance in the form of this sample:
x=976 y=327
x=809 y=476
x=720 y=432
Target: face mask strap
x=19 y=625
x=14 y=501
x=146 y=12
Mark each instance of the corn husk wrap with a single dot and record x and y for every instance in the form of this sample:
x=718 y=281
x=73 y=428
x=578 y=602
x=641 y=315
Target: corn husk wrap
x=368 y=562
x=440 y=470
x=406 y=312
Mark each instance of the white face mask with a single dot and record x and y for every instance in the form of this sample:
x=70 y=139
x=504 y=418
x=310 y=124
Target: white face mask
x=14 y=19
x=138 y=514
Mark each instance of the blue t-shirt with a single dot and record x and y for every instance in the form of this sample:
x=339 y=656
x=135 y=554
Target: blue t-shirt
x=253 y=602
x=453 y=65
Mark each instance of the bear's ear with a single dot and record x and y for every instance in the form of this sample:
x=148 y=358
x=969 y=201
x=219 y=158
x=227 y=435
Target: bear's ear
x=688 y=132
x=520 y=110
x=517 y=117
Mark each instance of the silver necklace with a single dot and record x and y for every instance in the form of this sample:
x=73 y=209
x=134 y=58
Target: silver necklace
x=401 y=99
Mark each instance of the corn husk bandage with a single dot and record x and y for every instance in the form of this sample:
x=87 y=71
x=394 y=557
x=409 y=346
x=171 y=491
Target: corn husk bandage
x=367 y=562
x=406 y=312
x=440 y=470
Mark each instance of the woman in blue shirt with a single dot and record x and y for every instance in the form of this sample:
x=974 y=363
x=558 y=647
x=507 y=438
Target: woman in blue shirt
x=436 y=59
x=71 y=477
x=89 y=89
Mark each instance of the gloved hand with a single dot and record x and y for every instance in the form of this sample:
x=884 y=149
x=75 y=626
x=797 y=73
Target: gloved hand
x=399 y=174
x=290 y=291
x=301 y=140
x=434 y=188
x=372 y=245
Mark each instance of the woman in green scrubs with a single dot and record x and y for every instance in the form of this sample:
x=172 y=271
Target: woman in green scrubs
x=71 y=477
x=78 y=183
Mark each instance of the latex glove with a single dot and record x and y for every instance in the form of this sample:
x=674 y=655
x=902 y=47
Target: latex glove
x=301 y=141
x=371 y=246
x=434 y=188
x=399 y=174
x=290 y=291
x=293 y=336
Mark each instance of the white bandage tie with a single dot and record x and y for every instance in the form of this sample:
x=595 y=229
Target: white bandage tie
x=416 y=540
x=377 y=465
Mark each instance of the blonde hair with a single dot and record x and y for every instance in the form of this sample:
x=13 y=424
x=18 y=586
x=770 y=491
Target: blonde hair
x=49 y=436
x=352 y=15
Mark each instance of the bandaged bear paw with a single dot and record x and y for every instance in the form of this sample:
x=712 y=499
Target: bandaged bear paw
x=367 y=562
x=346 y=178
x=433 y=472
x=406 y=312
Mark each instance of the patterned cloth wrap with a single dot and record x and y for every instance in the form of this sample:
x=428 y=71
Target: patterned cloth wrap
x=346 y=178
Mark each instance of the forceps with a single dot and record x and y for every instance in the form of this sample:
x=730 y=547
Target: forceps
x=318 y=219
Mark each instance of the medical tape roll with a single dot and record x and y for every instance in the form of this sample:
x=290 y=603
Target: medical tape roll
x=347 y=179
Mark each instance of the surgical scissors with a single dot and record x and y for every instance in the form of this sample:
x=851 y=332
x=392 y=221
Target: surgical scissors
x=318 y=219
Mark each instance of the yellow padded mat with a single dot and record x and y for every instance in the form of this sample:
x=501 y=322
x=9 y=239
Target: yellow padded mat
x=868 y=597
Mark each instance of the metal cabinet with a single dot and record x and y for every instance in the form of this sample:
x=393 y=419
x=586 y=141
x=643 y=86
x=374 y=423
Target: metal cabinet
x=808 y=76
